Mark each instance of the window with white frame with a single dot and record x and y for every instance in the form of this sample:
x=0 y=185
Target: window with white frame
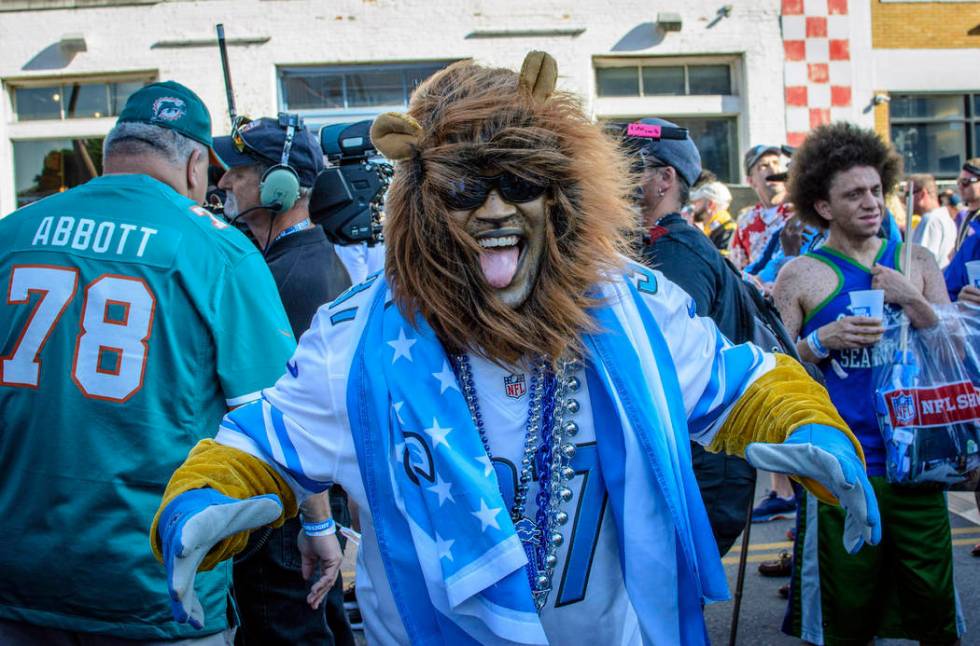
x=935 y=133
x=334 y=93
x=697 y=93
x=664 y=80
x=77 y=99
x=49 y=155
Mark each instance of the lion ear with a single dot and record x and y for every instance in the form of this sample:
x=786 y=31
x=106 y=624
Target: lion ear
x=539 y=73
x=396 y=135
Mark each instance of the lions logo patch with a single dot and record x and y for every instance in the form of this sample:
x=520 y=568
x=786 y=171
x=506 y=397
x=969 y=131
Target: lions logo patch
x=417 y=459
x=169 y=108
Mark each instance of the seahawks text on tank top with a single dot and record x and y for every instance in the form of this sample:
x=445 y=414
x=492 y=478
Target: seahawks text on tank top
x=848 y=372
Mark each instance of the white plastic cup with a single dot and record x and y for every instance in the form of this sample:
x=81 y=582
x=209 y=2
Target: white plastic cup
x=973 y=273
x=868 y=302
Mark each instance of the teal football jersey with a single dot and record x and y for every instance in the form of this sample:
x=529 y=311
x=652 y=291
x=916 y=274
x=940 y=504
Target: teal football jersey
x=130 y=321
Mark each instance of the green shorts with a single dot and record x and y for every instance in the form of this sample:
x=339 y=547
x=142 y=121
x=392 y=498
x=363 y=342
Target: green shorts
x=901 y=589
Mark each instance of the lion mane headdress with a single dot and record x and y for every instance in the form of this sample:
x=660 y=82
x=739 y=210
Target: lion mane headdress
x=468 y=119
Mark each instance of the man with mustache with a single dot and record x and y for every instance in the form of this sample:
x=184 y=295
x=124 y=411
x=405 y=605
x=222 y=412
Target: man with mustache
x=758 y=224
x=510 y=404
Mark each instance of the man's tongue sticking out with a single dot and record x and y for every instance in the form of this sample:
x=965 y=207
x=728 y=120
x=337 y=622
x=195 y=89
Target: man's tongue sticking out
x=499 y=265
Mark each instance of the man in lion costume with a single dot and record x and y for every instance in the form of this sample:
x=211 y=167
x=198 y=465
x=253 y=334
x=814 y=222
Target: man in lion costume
x=510 y=404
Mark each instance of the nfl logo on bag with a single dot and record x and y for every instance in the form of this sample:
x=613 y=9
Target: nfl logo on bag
x=514 y=386
x=904 y=409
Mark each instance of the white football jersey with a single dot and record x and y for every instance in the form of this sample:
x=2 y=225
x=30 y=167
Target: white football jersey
x=588 y=602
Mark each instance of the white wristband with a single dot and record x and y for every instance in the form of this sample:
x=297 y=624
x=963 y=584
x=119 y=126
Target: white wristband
x=322 y=528
x=817 y=348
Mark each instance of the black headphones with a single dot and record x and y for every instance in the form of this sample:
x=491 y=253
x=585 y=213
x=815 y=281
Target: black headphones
x=279 y=186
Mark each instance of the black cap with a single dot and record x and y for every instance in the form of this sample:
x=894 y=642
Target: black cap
x=783 y=176
x=755 y=153
x=669 y=143
x=262 y=140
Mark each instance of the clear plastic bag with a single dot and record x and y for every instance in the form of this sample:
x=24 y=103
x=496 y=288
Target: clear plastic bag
x=928 y=400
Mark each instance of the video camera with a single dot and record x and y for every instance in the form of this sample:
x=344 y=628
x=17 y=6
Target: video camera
x=347 y=198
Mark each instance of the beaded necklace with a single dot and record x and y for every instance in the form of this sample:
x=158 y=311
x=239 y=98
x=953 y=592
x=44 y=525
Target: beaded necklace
x=546 y=456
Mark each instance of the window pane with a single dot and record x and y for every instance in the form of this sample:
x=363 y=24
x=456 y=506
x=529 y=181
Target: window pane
x=88 y=100
x=923 y=106
x=976 y=107
x=54 y=165
x=937 y=148
x=709 y=79
x=716 y=141
x=663 y=80
x=415 y=76
x=120 y=92
x=307 y=91
x=617 y=81
x=38 y=103
x=366 y=89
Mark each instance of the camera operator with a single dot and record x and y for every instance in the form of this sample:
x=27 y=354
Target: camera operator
x=272 y=165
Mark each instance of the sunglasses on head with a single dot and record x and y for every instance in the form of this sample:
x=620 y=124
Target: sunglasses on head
x=236 y=133
x=470 y=192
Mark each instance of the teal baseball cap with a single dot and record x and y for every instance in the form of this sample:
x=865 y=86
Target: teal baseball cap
x=169 y=104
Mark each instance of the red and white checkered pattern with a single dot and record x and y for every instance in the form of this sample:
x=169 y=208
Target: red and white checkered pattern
x=817 y=69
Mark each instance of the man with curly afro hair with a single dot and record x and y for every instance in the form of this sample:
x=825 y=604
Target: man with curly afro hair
x=904 y=587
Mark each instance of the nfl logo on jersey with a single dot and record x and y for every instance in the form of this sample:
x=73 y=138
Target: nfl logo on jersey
x=514 y=386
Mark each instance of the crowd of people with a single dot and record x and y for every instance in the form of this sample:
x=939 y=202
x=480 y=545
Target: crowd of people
x=544 y=416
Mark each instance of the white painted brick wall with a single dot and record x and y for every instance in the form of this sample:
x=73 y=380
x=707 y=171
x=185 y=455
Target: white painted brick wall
x=305 y=32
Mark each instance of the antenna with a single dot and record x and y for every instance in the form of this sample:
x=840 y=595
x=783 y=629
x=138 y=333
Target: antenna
x=229 y=92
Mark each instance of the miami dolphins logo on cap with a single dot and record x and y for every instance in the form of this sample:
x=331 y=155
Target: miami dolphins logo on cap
x=169 y=108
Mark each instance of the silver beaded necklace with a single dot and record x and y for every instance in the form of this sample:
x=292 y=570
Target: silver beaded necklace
x=544 y=443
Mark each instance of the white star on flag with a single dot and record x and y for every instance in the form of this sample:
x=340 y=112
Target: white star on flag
x=487 y=464
x=487 y=515
x=438 y=434
x=397 y=406
x=444 y=548
x=402 y=346
x=442 y=489
x=447 y=378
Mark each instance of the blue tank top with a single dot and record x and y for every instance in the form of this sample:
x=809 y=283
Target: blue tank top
x=848 y=372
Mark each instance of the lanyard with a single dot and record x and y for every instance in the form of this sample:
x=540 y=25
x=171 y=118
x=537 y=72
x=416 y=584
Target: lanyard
x=299 y=226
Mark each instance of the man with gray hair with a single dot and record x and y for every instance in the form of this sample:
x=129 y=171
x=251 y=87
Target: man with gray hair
x=936 y=231
x=129 y=329
x=710 y=202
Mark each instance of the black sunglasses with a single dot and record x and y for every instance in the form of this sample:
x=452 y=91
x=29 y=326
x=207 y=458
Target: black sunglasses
x=470 y=192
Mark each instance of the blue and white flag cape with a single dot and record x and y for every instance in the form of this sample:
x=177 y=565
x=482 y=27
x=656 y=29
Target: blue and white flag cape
x=456 y=570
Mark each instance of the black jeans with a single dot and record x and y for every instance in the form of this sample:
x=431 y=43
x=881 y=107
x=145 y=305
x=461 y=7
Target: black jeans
x=271 y=592
x=727 y=484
